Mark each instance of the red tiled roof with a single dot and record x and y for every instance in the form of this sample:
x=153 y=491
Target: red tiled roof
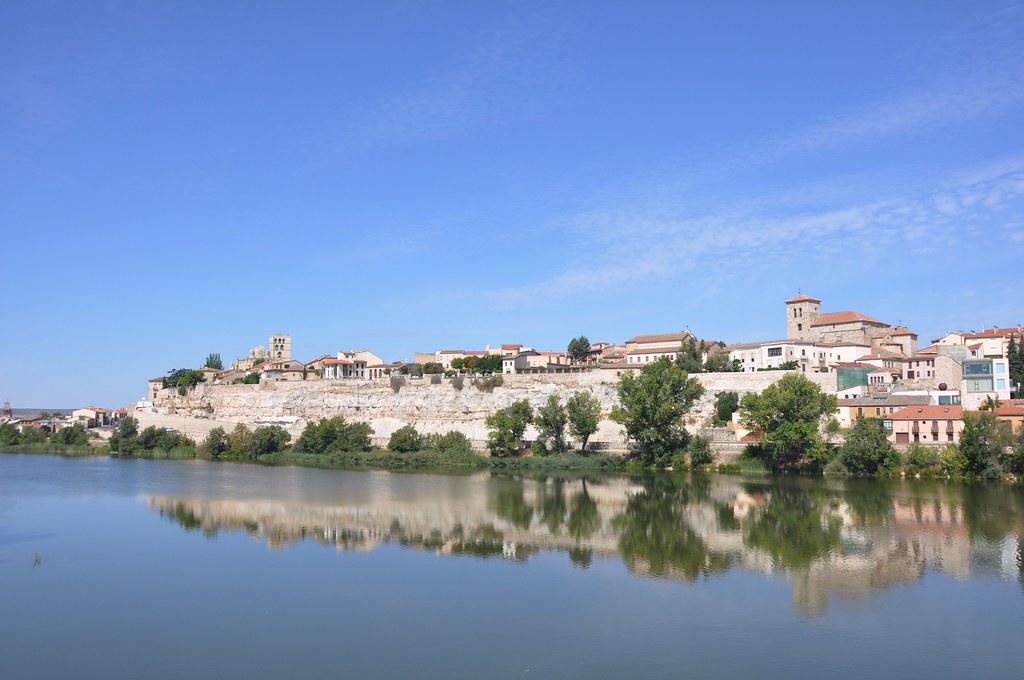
x=929 y=412
x=844 y=317
x=335 y=362
x=803 y=298
x=851 y=364
x=511 y=346
x=996 y=333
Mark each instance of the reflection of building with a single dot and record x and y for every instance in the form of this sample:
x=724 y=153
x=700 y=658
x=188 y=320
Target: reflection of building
x=830 y=542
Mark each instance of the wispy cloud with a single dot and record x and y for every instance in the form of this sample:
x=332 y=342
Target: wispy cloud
x=646 y=245
x=504 y=75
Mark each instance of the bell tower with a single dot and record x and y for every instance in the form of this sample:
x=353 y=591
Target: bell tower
x=280 y=347
x=801 y=312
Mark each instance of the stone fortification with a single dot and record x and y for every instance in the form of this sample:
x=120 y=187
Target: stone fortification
x=432 y=403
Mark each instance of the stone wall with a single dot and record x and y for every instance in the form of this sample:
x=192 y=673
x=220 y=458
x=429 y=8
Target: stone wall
x=434 y=407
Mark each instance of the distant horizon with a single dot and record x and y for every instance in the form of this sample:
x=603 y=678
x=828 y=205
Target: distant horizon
x=184 y=178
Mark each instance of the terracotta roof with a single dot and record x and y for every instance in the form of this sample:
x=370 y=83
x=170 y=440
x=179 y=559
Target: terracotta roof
x=1004 y=411
x=976 y=345
x=451 y=351
x=996 y=333
x=844 y=317
x=851 y=364
x=929 y=412
x=803 y=298
x=335 y=362
x=511 y=346
x=887 y=400
x=664 y=337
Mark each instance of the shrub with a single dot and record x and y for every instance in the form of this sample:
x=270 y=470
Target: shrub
x=539 y=448
x=726 y=403
x=450 y=442
x=700 y=451
x=835 y=468
x=71 y=436
x=489 y=383
x=867 y=447
x=458 y=382
x=920 y=457
x=268 y=439
x=406 y=440
x=952 y=461
x=397 y=382
x=215 y=445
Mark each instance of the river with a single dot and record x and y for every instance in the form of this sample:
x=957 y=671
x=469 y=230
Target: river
x=164 y=569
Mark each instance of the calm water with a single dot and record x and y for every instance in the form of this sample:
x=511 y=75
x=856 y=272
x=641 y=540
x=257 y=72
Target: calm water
x=151 y=569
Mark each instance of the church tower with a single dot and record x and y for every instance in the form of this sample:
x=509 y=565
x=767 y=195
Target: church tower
x=801 y=312
x=280 y=347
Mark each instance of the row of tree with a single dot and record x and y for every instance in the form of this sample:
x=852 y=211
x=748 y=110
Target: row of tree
x=578 y=417
x=72 y=435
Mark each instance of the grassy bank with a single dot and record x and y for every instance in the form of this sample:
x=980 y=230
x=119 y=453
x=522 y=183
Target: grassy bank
x=66 y=450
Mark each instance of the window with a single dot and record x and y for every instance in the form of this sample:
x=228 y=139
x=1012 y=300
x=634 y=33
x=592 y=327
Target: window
x=1000 y=367
x=775 y=351
x=799 y=326
x=1000 y=383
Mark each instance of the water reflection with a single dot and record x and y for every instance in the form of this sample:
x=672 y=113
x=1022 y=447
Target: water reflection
x=831 y=539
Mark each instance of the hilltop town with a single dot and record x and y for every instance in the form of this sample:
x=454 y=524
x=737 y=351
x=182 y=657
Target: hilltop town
x=875 y=369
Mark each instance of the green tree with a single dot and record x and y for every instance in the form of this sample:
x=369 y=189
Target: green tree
x=726 y=403
x=690 y=357
x=721 y=363
x=238 y=441
x=1015 y=458
x=184 y=379
x=432 y=368
x=74 y=435
x=578 y=349
x=866 y=447
x=584 y=413
x=32 y=435
x=125 y=437
x=982 y=442
x=406 y=440
x=215 y=445
x=651 y=409
x=700 y=451
x=450 y=442
x=268 y=439
x=551 y=420
x=506 y=427
x=8 y=435
x=788 y=414
x=213 y=361
x=1015 y=355
x=334 y=434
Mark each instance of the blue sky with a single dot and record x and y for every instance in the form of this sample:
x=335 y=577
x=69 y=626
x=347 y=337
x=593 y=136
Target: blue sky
x=191 y=177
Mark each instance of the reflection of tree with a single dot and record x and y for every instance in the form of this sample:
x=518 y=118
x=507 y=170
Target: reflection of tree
x=584 y=518
x=870 y=500
x=794 y=527
x=581 y=557
x=991 y=512
x=509 y=504
x=551 y=504
x=656 y=538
